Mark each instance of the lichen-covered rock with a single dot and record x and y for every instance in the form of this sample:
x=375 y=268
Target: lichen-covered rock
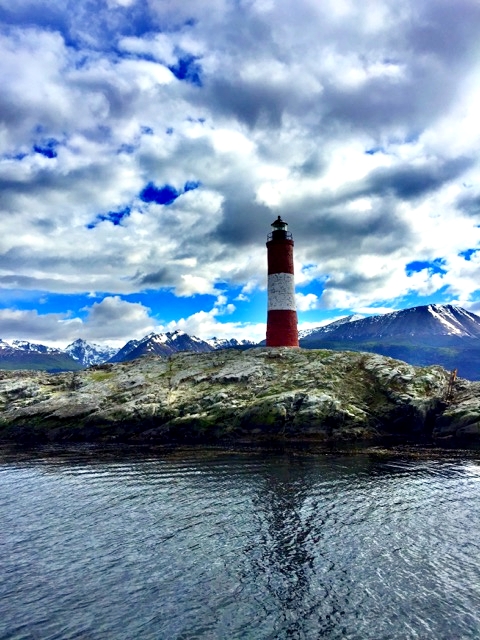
x=260 y=393
x=460 y=421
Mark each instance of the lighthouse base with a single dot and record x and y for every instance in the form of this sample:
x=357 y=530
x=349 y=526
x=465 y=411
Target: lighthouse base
x=282 y=328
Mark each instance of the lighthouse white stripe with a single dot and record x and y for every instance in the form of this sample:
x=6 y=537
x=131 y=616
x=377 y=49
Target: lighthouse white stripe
x=281 y=292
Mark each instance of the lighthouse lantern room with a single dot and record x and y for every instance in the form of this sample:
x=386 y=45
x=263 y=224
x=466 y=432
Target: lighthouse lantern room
x=282 y=315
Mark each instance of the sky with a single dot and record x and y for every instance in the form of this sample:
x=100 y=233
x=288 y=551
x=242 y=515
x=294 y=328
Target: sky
x=146 y=146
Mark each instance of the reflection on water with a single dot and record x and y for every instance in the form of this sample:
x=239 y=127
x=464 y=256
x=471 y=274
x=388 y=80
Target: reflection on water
x=217 y=544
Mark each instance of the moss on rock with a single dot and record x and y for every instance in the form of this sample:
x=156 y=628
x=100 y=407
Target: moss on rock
x=261 y=392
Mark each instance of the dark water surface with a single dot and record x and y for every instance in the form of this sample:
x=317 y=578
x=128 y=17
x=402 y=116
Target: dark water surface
x=217 y=544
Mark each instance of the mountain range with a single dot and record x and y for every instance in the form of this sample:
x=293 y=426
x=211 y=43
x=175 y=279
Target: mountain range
x=431 y=334
x=161 y=344
x=20 y=354
x=434 y=322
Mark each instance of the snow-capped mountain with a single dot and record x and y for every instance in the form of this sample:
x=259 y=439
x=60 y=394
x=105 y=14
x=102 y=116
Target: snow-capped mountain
x=20 y=354
x=430 y=323
x=225 y=343
x=88 y=353
x=161 y=344
x=23 y=345
x=122 y=354
x=331 y=326
x=431 y=334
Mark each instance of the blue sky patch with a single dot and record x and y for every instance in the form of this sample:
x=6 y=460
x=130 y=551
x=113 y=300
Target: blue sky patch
x=188 y=69
x=127 y=148
x=412 y=137
x=160 y=195
x=374 y=150
x=191 y=185
x=115 y=217
x=47 y=148
x=436 y=266
x=441 y=296
x=166 y=194
x=468 y=253
x=15 y=156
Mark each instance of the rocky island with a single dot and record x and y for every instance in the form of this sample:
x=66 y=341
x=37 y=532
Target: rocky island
x=242 y=396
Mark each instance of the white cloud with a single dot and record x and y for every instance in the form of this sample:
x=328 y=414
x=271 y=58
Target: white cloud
x=112 y=320
x=363 y=133
x=192 y=285
x=204 y=324
x=120 y=3
x=306 y=302
x=30 y=325
x=161 y=46
x=112 y=317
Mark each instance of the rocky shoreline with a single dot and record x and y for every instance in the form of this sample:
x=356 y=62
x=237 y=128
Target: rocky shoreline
x=258 y=395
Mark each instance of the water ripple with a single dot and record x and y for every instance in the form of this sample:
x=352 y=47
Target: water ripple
x=238 y=545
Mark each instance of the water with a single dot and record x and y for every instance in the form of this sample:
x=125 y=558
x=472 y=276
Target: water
x=217 y=544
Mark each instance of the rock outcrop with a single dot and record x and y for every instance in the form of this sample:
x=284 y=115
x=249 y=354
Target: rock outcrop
x=257 y=394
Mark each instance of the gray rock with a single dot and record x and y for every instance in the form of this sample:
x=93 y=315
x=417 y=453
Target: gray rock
x=461 y=418
x=261 y=393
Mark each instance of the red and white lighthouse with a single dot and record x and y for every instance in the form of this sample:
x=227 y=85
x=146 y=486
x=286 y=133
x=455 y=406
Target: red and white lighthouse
x=282 y=315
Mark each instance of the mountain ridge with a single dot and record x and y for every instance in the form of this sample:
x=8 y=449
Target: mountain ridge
x=422 y=321
x=89 y=353
x=447 y=335
x=428 y=334
x=161 y=344
x=21 y=354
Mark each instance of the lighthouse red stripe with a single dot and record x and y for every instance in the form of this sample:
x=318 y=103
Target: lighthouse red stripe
x=282 y=328
x=280 y=256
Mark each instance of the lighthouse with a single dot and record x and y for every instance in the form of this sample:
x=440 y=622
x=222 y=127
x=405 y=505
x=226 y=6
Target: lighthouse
x=282 y=315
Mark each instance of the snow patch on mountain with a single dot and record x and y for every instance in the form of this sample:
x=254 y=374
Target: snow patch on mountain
x=453 y=319
x=226 y=343
x=425 y=323
x=161 y=344
x=89 y=353
x=24 y=345
x=303 y=333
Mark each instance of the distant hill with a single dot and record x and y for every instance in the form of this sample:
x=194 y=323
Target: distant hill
x=20 y=354
x=431 y=334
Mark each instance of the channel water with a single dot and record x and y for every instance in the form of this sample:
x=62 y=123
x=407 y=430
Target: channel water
x=217 y=544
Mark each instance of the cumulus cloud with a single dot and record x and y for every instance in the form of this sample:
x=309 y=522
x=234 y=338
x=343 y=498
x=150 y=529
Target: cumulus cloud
x=30 y=325
x=204 y=324
x=111 y=320
x=306 y=302
x=357 y=123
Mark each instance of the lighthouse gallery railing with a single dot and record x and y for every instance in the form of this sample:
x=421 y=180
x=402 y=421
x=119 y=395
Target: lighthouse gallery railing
x=285 y=236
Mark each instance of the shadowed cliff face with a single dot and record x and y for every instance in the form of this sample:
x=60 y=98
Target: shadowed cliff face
x=257 y=394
